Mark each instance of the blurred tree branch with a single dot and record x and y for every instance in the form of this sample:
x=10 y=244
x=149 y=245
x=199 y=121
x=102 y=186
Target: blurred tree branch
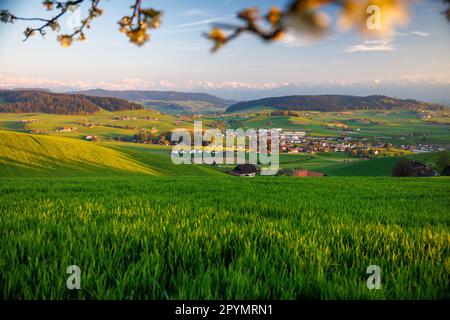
x=307 y=17
x=135 y=25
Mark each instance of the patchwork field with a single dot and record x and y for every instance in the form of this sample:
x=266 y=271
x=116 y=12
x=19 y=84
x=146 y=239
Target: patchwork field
x=108 y=126
x=397 y=127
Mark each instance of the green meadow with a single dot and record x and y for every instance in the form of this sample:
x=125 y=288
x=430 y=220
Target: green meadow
x=224 y=237
x=106 y=125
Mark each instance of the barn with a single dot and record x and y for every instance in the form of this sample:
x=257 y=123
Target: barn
x=244 y=170
x=307 y=173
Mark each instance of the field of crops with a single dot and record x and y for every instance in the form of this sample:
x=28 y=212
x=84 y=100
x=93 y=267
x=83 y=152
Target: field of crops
x=106 y=125
x=397 y=127
x=226 y=237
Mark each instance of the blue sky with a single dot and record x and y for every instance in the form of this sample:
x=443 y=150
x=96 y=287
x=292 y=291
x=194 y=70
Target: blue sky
x=178 y=57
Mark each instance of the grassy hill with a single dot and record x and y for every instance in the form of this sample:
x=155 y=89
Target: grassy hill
x=25 y=155
x=158 y=158
x=332 y=103
x=37 y=155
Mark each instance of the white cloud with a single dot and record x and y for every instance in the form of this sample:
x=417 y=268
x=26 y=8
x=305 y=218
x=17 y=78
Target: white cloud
x=167 y=84
x=204 y=21
x=11 y=82
x=292 y=40
x=420 y=33
x=228 y=85
x=194 y=26
x=372 y=45
x=412 y=33
x=195 y=12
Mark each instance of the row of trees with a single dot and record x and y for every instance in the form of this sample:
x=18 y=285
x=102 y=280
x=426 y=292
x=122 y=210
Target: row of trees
x=413 y=168
x=114 y=104
x=284 y=113
x=163 y=137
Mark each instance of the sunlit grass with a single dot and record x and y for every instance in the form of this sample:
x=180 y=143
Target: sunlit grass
x=24 y=155
x=224 y=238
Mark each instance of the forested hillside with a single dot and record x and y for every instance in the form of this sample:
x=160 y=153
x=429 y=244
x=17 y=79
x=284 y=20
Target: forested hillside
x=333 y=103
x=167 y=101
x=156 y=95
x=31 y=101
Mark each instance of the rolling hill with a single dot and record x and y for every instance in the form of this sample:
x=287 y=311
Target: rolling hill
x=27 y=101
x=29 y=155
x=327 y=103
x=166 y=101
x=38 y=155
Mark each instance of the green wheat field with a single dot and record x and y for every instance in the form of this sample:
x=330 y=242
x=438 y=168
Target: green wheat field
x=224 y=237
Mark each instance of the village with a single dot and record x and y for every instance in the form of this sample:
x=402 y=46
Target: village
x=300 y=142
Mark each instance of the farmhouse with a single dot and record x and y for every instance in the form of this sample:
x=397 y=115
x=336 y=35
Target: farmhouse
x=293 y=136
x=307 y=173
x=91 y=138
x=26 y=121
x=87 y=124
x=244 y=170
x=126 y=118
x=66 y=129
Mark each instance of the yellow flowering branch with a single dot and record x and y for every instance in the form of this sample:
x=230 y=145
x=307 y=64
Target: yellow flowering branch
x=303 y=16
x=308 y=18
x=250 y=17
x=136 y=25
